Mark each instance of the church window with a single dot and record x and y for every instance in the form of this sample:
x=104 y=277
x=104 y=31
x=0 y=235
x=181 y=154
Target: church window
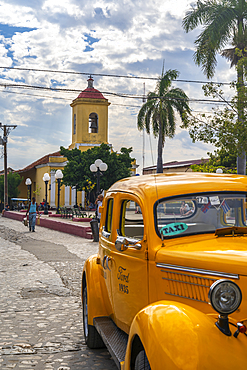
x=74 y=124
x=93 y=123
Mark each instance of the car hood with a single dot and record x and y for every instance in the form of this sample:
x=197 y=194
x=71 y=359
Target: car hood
x=224 y=254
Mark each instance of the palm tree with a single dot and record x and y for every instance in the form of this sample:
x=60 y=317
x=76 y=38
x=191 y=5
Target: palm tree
x=223 y=21
x=159 y=111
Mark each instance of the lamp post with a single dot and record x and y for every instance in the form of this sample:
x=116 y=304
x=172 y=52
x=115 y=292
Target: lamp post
x=28 y=182
x=98 y=166
x=46 y=179
x=58 y=177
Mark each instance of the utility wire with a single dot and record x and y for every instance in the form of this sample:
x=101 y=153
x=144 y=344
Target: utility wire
x=122 y=95
x=110 y=75
x=67 y=99
x=39 y=96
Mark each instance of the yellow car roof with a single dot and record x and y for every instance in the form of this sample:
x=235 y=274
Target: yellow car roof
x=165 y=185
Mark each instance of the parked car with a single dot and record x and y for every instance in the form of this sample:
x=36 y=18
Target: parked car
x=168 y=287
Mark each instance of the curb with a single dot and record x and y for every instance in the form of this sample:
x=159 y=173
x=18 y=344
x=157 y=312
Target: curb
x=78 y=230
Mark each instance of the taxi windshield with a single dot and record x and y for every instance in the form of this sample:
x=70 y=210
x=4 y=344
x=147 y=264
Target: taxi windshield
x=199 y=213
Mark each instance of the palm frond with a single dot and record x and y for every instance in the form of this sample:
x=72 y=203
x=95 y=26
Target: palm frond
x=142 y=113
x=165 y=80
x=230 y=55
x=219 y=20
x=200 y=14
x=147 y=120
x=179 y=100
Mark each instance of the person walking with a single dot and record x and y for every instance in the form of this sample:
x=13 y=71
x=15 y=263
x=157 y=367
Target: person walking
x=33 y=210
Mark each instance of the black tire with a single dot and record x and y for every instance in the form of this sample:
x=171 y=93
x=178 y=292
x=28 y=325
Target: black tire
x=92 y=337
x=141 y=362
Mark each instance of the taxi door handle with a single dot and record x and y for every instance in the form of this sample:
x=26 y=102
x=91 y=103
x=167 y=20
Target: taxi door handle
x=103 y=262
x=107 y=265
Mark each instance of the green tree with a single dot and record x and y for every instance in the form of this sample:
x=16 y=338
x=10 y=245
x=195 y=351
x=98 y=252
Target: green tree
x=77 y=171
x=221 y=128
x=14 y=180
x=223 y=21
x=159 y=111
x=224 y=159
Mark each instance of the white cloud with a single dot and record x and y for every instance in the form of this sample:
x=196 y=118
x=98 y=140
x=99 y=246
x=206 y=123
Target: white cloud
x=111 y=37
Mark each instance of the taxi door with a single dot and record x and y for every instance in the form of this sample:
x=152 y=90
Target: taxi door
x=105 y=247
x=128 y=264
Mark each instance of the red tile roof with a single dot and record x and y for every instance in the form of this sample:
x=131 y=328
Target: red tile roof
x=91 y=93
x=40 y=161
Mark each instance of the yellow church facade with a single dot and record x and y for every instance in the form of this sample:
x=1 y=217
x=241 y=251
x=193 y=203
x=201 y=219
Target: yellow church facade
x=89 y=129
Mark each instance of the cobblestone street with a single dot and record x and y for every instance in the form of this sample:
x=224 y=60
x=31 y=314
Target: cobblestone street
x=40 y=304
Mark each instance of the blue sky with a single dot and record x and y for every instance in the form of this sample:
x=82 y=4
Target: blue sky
x=110 y=37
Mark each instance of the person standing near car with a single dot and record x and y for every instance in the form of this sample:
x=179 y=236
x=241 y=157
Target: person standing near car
x=33 y=210
x=98 y=203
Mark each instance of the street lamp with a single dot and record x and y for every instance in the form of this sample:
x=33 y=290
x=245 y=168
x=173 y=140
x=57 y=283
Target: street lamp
x=46 y=179
x=98 y=166
x=58 y=177
x=28 y=182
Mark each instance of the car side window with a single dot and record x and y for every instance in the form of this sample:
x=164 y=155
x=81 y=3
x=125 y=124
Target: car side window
x=131 y=220
x=108 y=220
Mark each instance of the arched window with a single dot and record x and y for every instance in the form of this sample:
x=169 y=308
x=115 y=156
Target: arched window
x=93 y=123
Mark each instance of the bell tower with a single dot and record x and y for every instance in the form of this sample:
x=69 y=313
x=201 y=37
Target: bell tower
x=89 y=119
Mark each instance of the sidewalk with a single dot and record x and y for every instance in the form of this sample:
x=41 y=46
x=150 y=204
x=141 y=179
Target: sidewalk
x=78 y=227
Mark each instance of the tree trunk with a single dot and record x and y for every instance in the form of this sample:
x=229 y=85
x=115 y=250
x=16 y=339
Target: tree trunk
x=241 y=164
x=160 y=149
x=241 y=159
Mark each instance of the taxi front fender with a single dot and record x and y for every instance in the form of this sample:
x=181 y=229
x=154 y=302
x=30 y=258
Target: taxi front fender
x=96 y=294
x=178 y=337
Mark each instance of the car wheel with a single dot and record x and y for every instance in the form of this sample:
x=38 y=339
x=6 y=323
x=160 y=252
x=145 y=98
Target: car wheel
x=141 y=362
x=92 y=337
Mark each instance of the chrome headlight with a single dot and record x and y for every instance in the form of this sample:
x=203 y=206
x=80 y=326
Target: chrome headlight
x=225 y=296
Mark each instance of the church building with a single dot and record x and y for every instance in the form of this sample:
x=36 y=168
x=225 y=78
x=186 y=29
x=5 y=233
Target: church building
x=89 y=129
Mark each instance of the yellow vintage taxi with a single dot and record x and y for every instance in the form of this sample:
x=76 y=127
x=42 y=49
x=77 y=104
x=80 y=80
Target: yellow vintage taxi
x=168 y=287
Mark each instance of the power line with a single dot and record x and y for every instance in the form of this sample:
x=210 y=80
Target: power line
x=122 y=95
x=39 y=96
x=122 y=105
x=111 y=75
x=68 y=99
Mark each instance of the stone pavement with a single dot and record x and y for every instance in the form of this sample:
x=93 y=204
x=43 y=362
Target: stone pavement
x=40 y=306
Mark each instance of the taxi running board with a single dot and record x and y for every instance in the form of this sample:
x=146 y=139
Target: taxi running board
x=114 y=338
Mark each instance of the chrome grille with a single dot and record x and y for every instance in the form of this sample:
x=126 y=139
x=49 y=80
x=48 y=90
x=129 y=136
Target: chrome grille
x=187 y=286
